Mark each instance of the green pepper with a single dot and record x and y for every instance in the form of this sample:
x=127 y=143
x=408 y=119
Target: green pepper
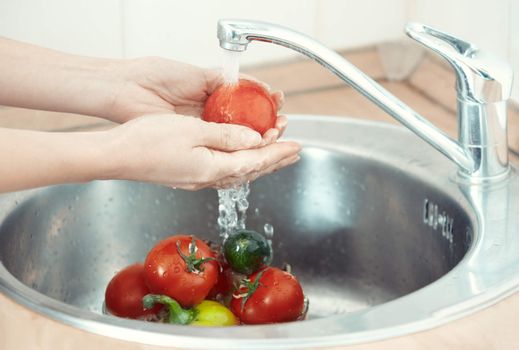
x=208 y=313
x=247 y=251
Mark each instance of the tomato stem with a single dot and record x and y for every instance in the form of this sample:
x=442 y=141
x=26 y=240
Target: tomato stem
x=250 y=288
x=177 y=315
x=193 y=264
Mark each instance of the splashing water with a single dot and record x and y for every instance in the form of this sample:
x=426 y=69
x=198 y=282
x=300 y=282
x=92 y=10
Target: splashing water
x=269 y=230
x=232 y=209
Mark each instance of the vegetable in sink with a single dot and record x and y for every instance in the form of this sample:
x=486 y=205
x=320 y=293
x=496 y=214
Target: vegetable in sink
x=182 y=272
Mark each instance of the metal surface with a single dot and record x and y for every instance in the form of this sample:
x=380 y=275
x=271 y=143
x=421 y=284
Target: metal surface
x=483 y=83
x=383 y=241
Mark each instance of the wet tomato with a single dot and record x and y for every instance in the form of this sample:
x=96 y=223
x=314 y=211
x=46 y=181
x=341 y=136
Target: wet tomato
x=124 y=293
x=224 y=284
x=183 y=268
x=247 y=251
x=270 y=295
x=246 y=103
x=206 y=314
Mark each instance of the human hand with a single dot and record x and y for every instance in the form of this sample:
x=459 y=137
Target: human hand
x=118 y=90
x=155 y=85
x=189 y=153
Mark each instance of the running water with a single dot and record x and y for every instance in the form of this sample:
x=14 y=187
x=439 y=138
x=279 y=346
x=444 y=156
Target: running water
x=232 y=209
x=232 y=202
x=231 y=66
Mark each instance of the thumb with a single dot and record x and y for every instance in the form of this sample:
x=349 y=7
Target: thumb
x=229 y=137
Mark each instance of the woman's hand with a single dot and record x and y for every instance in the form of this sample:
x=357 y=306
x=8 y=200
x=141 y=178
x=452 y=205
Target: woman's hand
x=155 y=85
x=189 y=153
x=118 y=90
x=172 y=150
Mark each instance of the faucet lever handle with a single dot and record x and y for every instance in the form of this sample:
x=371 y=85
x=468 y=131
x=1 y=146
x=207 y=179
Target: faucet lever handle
x=481 y=77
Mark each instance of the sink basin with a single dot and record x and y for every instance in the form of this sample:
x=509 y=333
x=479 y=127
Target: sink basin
x=382 y=238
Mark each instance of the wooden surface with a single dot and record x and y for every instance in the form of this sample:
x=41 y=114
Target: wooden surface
x=494 y=328
x=309 y=89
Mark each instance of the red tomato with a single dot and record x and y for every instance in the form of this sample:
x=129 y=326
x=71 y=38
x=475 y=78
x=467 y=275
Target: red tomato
x=123 y=295
x=246 y=103
x=278 y=297
x=178 y=269
x=224 y=284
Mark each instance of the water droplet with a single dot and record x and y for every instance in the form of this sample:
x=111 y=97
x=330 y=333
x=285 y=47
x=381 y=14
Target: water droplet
x=269 y=230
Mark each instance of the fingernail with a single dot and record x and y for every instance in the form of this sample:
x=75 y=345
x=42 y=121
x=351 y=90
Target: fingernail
x=273 y=136
x=282 y=124
x=250 y=138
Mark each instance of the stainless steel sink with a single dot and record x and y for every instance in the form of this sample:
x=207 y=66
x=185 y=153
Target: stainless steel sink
x=382 y=237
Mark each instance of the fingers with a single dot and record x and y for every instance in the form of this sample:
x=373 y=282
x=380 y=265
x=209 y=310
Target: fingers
x=227 y=137
x=279 y=98
x=232 y=181
x=270 y=136
x=241 y=163
x=213 y=79
x=195 y=110
x=281 y=124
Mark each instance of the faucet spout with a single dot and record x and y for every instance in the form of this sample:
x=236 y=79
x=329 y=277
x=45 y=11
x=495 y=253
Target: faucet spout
x=237 y=34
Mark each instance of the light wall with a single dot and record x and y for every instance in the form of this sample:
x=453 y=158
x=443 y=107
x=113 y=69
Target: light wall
x=492 y=25
x=185 y=30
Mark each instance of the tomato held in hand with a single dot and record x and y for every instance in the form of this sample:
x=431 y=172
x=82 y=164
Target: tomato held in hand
x=183 y=268
x=271 y=295
x=124 y=293
x=246 y=103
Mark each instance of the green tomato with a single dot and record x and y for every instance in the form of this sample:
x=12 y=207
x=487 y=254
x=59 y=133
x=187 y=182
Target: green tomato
x=247 y=251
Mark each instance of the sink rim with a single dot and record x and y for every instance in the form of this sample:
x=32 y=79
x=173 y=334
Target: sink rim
x=251 y=336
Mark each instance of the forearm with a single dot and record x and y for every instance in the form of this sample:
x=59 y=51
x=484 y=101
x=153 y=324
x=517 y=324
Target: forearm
x=33 y=159
x=39 y=78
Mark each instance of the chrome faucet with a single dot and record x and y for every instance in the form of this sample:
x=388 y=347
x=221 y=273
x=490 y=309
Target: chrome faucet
x=483 y=86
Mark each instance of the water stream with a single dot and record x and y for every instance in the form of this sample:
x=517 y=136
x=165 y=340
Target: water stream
x=233 y=202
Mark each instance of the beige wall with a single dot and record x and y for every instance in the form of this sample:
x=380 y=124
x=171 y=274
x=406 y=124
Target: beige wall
x=185 y=30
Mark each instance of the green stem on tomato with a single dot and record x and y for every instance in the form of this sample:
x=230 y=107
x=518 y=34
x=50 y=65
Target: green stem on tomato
x=193 y=264
x=250 y=288
x=177 y=315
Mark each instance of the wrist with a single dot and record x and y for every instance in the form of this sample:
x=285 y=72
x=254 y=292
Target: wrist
x=39 y=78
x=109 y=157
x=34 y=158
x=101 y=81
